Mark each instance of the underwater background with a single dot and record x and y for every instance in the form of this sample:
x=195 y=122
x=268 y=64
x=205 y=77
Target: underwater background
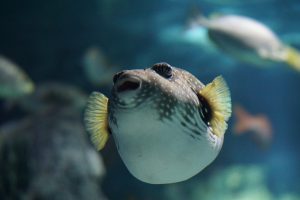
x=44 y=150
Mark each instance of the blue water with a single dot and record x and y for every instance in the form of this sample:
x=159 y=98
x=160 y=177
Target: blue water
x=49 y=38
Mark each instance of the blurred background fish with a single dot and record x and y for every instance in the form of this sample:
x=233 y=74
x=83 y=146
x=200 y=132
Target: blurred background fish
x=14 y=82
x=98 y=69
x=248 y=40
x=259 y=126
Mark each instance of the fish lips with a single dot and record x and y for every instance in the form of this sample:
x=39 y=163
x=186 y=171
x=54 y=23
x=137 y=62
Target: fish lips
x=127 y=85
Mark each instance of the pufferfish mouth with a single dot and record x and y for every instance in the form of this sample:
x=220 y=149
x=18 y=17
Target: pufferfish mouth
x=126 y=84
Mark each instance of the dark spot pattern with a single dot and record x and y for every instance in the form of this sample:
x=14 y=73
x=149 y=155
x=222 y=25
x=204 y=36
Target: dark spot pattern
x=174 y=99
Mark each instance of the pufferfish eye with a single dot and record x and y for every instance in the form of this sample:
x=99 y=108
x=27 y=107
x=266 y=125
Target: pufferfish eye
x=163 y=69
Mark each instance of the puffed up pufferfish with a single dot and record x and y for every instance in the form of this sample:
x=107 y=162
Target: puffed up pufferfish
x=167 y=125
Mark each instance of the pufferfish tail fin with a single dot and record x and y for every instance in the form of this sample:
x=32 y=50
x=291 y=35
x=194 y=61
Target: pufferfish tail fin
x=95 y=119
x=293 y=58
x=217 y=95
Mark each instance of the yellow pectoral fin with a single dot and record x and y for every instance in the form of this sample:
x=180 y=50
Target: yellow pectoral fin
x=96 y=119
x=293 y=58
x=218 y=97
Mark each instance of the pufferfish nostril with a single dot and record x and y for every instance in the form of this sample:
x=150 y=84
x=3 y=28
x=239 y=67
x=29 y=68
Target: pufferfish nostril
x=117 y=76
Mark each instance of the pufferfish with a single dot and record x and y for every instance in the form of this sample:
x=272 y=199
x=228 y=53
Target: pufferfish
x=167 y=125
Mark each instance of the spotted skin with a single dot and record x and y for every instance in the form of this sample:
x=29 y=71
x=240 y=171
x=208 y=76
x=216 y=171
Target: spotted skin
x=157 y=126
x=173 y=98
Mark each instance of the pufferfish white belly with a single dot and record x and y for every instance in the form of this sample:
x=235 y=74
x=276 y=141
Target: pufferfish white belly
x=161 y=152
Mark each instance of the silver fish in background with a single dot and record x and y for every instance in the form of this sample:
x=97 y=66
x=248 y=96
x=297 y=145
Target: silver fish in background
x=248 y=40
x=14 y=82
x=97 y=68
x=167 y=125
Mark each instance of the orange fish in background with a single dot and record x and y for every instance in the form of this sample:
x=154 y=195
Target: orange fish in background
x=259 y=126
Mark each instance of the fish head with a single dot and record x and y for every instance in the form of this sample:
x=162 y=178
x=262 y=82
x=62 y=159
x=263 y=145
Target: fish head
x=159 y=84
x=169 y=95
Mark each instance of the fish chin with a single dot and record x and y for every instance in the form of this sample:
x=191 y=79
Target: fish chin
x=161 y=166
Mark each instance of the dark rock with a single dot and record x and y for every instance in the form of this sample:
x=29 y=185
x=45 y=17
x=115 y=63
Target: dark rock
x=52 y=96
x=48 y=156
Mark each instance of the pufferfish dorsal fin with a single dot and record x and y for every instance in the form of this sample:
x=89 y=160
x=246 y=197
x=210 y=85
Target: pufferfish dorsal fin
x=96 y=119
x=217 y=95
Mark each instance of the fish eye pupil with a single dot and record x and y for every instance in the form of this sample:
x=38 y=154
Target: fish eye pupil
x=205 y=110
x=163 y=69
